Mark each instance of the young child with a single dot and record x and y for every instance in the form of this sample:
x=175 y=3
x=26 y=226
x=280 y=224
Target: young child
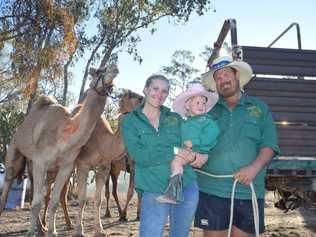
x=198 y=134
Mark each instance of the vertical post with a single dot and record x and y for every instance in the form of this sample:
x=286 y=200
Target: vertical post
x=229 y=25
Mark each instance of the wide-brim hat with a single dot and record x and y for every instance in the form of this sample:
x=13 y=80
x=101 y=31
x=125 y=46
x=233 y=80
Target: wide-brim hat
x=194 y=89
x=243 y=68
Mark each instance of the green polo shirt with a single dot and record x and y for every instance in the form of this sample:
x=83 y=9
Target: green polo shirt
x=152 y=150
x=244 y=130
x=202 y=131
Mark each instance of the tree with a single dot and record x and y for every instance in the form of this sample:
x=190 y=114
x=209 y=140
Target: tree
x=40 y=37
x=9 y=120
x=180 y=72
x=119 y=21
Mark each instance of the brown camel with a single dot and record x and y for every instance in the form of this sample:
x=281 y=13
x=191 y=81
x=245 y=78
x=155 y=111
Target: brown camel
x=128 y=101
x=103 y=147
x=50 y=178
x=125 y=164
x=52 y=139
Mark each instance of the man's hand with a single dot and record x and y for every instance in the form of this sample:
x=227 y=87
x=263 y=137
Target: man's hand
x=246 y=174
x=200 y=160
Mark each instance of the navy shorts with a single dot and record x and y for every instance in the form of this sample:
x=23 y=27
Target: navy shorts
x=213 y=213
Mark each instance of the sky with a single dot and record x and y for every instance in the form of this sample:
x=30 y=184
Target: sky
x=258 y=24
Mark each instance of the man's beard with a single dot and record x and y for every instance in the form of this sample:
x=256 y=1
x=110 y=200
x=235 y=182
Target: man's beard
x=229 y=91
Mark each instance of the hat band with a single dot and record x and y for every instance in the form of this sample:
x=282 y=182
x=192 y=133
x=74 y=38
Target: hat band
x=220 y=64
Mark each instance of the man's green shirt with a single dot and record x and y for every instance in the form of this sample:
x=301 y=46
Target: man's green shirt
x=152 y=150
x=244 y=130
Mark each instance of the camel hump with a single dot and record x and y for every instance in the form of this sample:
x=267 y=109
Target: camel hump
x=44 y=101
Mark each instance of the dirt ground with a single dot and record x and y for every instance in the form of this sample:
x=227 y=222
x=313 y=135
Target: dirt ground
x=297 y=223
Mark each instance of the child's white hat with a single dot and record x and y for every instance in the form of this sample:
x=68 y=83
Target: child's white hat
x=194 y=89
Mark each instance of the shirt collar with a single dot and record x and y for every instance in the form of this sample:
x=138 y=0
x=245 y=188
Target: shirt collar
x=163 y=109
x=242 y=101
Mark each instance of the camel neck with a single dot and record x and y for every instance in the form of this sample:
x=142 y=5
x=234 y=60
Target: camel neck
x=86 y=118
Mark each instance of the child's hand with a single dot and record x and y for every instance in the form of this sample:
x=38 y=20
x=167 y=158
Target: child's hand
x=188 y=144
x=185 y=154
x=200 y=160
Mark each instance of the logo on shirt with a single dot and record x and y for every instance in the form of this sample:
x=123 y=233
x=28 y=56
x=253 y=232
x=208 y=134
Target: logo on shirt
x=254 y=111
x=204 y=222
x=171 y=120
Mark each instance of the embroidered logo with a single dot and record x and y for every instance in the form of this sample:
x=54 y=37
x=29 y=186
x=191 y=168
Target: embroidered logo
x=171 y=120
x=204 y=222
x=254 y=111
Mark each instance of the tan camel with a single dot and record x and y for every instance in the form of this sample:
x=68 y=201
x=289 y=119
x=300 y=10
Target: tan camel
x=103 y=147
x=128 y=101
x=51 y=139
x=125 y=164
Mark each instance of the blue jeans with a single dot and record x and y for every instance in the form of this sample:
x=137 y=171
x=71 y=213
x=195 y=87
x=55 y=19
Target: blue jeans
x=154 y=215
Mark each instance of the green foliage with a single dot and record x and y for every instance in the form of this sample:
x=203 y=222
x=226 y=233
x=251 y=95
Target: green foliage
x=180 y=72
x=207 y=52
x=9 y=120
x=119 y=21
x=39 y=36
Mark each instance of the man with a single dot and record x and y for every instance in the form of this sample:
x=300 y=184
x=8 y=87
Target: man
x=246 y=143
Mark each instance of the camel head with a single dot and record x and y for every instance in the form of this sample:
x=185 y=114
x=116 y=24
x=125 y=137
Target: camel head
x=102 y=79
x=129 y=100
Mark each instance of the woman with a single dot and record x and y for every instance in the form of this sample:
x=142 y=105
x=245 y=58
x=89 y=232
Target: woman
x=150 y=134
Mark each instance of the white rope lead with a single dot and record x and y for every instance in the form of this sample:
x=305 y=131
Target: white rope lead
x=253 y=199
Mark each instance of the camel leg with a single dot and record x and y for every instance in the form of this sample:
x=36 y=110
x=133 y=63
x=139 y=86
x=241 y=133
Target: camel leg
x=63 y=201
x=38 y=197
x=42 y=226
x=82 y=175
x=107 y=197
x=114 y=178
x=101 y=178
x=29 y=166
x=130 y=193
x=47 y=198
x=61 y=178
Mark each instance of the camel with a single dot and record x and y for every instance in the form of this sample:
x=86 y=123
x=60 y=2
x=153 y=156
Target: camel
x=125 y=164
x=52 y=139
x=128 y=101
x=103 y=147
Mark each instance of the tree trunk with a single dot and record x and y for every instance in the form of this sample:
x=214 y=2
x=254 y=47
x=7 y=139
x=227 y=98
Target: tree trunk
x=65 y=91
